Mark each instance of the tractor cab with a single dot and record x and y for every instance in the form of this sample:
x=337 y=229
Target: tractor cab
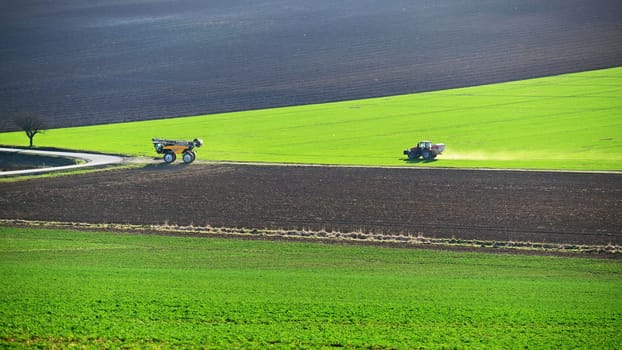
x=424 y=145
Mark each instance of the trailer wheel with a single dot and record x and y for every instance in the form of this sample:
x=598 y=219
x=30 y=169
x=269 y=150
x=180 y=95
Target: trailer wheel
x=188 y=157
x=169 y=157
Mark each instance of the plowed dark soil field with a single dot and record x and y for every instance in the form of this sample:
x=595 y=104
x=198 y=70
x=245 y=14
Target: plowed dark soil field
x=489 y=205
x=93 y=62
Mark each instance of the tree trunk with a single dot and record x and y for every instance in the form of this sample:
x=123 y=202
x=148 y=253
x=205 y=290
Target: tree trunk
x=31 y=135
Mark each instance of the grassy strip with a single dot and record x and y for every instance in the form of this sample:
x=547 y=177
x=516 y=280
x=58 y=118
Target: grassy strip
x=403 y=240
x=88 y=289
x=562 y=122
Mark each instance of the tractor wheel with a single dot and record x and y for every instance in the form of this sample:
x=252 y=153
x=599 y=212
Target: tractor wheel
x=188 y=157
x=413 y=155
x=427 y=155
x=169 y=157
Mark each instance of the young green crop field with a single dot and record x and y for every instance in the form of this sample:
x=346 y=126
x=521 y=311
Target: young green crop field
x=102 y=290
x=569 y=121
x=562 y=122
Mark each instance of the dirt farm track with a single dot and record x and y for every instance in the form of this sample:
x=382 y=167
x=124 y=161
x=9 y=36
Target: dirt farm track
x=573 y=208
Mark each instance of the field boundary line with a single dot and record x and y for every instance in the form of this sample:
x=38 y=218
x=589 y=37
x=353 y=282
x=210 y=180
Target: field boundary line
x=224 y=162
x=97 y=159
x=409 y=240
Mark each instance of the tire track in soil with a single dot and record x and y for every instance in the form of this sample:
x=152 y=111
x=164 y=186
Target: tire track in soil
x=576 y=208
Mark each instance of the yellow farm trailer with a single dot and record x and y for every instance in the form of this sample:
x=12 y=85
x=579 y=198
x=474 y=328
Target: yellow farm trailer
x=171 y=148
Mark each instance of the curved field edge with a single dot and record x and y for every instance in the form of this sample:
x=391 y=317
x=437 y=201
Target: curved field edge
x=66 y=288
x=565 y=122
x=11 y=161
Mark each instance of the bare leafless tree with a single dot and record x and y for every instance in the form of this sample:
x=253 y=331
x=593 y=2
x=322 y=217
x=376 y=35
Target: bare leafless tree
x=30 y=124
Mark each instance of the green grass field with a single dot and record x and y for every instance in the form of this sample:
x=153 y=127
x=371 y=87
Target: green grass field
x=569 y=121
x=101 y=290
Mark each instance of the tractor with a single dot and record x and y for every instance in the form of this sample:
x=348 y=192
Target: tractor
x=171 y=148
x=425 y=149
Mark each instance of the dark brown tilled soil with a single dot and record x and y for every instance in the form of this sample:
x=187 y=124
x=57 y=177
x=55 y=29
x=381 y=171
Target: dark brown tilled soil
x=573 y=208
x=91 y=62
